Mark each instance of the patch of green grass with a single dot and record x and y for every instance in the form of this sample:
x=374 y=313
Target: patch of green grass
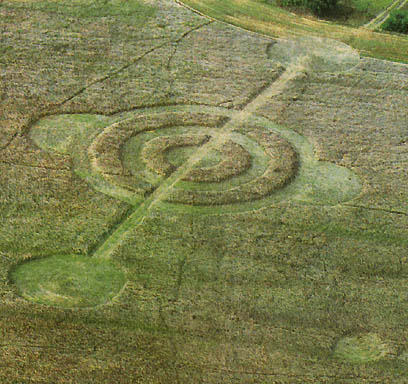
x=361 y=349
x=63 y=133
x=327 y=183
x=69 y=281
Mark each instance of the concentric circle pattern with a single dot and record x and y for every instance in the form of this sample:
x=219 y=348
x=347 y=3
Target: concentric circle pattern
x=183 y=159
x=250 y=163
x=211 y=158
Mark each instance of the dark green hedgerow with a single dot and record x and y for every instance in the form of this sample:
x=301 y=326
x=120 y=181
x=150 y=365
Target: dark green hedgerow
x=318 y=7
x=397 y=22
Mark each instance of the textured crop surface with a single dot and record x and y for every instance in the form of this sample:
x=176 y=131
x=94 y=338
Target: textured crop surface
x=182 y=201
x=265 y=17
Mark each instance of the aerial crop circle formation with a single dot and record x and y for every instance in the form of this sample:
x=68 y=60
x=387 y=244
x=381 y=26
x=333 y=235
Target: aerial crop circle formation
x=182 y=158
x=250 y=163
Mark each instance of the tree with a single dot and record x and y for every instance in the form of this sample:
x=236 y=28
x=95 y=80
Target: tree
x=397 y=22
x=318 y=7
x=321 y=7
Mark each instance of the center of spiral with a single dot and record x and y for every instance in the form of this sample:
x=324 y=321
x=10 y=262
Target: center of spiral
x=235 y=159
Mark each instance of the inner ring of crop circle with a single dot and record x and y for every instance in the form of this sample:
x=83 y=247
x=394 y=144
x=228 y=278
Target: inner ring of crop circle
x=257 y=161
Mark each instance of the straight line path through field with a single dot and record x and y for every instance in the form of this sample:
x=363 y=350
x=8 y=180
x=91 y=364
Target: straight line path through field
x=140 y=213
x=121 y=69
x=381 y=18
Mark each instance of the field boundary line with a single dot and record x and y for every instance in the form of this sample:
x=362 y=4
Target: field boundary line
x=9 y=141
x=197 y=12
x=111 y=74
x=34 y=166
x=377 y=209
x=129 y=64
x=176 y=43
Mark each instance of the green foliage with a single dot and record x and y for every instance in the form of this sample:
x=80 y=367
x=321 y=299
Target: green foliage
x=322 y=7
x=318 y=7
x=69 y=281
x=397 y=22
x=291 y=3
x=361 y=349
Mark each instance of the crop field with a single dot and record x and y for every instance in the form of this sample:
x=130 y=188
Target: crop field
x=262 y=17
x=184 y=201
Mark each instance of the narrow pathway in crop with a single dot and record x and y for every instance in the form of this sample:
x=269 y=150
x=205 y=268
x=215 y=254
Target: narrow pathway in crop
x=135 y=61
x=380 y=19
x=164 y=190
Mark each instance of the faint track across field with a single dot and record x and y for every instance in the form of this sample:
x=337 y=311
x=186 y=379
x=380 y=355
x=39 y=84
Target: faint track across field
x=380 y=19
